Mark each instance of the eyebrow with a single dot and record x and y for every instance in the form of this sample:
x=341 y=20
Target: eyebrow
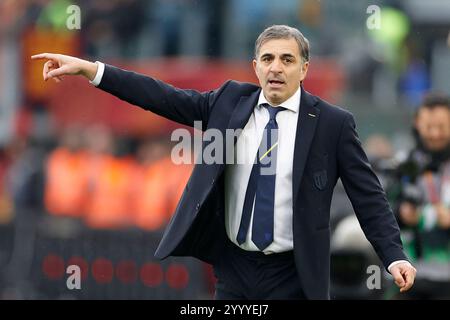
x=284 y=55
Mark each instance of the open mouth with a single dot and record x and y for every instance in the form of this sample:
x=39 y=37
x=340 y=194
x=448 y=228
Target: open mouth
x=276 y=83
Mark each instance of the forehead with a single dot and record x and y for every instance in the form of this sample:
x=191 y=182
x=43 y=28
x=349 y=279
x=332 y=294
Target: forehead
x=280 y=47
x=436 y=115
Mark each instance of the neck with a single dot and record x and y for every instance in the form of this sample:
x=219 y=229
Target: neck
x=274 y=103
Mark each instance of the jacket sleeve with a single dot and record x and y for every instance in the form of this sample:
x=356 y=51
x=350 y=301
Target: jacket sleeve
x=182 y=106
x=367 y=196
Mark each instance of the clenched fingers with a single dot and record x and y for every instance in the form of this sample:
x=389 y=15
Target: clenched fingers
x=49 y=66
x=409 y=275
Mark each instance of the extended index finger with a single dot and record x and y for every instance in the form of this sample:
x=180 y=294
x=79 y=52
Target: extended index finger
x=50 y=56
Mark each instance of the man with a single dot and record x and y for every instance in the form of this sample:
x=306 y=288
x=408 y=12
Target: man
x=424 y=199
x=266 y=233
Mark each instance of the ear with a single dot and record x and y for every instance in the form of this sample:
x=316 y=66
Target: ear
x=305 y=67
x=304 y=70
x=254 y=62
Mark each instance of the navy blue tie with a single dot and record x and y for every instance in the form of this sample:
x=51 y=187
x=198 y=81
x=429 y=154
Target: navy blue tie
x=261 y=187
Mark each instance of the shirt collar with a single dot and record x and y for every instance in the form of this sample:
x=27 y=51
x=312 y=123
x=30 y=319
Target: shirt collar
x=292 y=103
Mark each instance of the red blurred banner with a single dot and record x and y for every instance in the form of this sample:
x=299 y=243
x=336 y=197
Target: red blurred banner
x=76 y=101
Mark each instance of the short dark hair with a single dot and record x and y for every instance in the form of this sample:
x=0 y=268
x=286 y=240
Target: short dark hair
x=284 y=32
x=434 y=99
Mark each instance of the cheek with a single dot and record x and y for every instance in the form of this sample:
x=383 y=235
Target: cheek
x=296 y=76
x=422 y=130
x=260 y=74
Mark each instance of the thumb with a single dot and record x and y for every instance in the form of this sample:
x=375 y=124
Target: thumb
x=398 y=277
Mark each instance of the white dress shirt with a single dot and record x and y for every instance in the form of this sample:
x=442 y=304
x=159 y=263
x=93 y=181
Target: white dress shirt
x=237 y=175
x=99 y=75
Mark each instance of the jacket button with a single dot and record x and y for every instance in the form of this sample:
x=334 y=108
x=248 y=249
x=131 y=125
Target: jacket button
x=197 y=206
x=213 y=180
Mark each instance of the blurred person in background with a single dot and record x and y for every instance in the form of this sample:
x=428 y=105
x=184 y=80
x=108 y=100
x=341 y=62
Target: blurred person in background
x=66 y=166
x=423 y=199
x=25 y=184
x=151 y=185
x=109 y=186
x=293 y=260
x=113 y=27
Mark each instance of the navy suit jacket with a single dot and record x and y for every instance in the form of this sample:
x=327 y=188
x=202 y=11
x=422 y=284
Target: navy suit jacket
x=327 y=147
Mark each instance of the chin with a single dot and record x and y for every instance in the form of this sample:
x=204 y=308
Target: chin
x=436 y=148
x=275 y=100
x=275 y=95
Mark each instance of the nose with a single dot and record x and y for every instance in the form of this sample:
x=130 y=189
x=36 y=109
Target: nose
x=276 y=66
x=435 y=133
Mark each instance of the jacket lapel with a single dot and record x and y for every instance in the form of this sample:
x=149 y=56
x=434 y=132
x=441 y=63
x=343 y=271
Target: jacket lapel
x=238 y=119
x=306 y=127
x=243 y=110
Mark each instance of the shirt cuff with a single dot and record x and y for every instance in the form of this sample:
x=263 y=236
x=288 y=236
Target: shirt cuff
x=99 y=75
x=397 y=262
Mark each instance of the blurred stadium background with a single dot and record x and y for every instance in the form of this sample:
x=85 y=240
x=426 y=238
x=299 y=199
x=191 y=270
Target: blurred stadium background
x=86 y=179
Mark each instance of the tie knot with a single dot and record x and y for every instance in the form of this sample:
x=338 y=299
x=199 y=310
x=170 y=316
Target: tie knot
x=273 y=110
